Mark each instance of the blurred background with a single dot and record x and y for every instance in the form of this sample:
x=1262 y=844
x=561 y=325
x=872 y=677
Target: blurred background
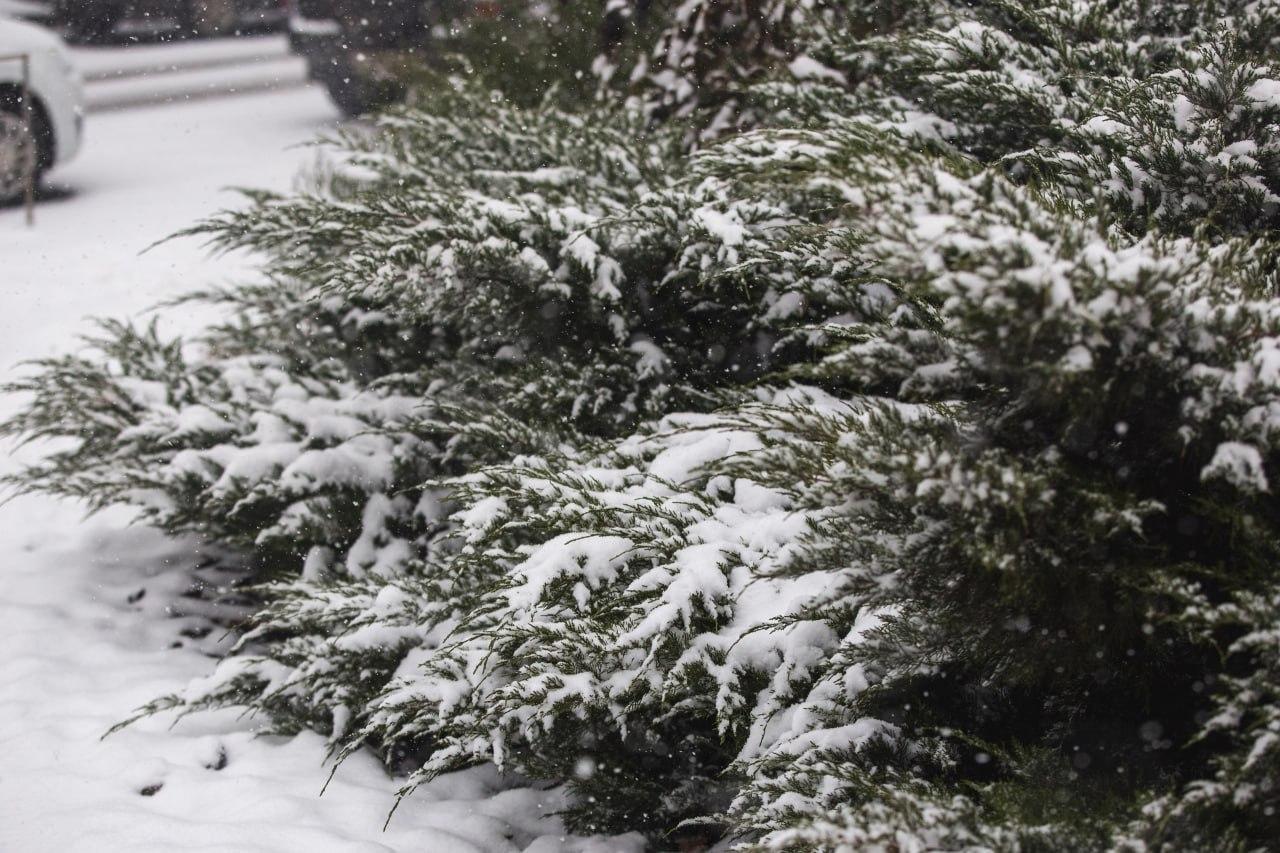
x=93 y=57
x=134 y=51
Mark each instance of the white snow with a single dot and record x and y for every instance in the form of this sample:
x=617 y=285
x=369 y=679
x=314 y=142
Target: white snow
x=81 y=649
x=196 y=82
x=1239 y=464
x=807 y=68
x=1264 y=93
x=102 y=63
x=726 y=227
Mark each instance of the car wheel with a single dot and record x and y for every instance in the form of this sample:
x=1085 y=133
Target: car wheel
x=19 y=153
x=352 y=92
x=210 y=18
x=357 y=99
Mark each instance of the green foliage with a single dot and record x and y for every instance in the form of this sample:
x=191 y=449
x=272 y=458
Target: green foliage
x=533 y=295
x=894 y=472
x=526 y=52
x=1031 y=546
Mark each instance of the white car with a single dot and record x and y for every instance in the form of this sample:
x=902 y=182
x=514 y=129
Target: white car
x=52 y=136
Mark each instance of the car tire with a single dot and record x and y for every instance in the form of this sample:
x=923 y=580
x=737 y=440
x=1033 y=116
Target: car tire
x=353 y=93
x=22 y=157
x=210 y=18
x=359 y=98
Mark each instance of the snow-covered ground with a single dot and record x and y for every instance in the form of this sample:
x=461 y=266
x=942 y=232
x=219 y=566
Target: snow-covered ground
x=33 y=9
x=87 y=625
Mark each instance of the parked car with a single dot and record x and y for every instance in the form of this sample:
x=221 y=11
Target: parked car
x=363 y=50
x=368 y=52
x=353 y=47
x=96 y=20
x=49 y=129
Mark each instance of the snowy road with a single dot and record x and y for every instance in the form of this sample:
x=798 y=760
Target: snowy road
x=180 y=71
x=141 y=175
x=81 y=647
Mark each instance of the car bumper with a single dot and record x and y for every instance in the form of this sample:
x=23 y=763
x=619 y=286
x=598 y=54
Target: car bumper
x=77 y=137
x=68 y=119
x=60 y=91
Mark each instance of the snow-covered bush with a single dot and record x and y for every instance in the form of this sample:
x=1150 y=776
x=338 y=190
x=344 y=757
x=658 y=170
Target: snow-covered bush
x=260 y=435
x=557 y=285
x=894 y=475
x=838 y=612
x=1165 y=111
x=555 y=276
x=705 y=55
x=1047 y=551
x=1197 y=149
